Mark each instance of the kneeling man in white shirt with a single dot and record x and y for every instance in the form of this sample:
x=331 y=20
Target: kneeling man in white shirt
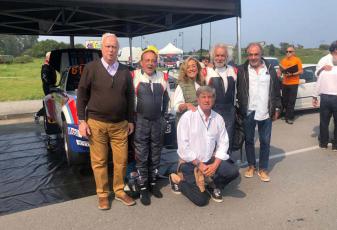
x=202 y=148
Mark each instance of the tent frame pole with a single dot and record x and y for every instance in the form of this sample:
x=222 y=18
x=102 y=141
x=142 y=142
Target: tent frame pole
x=238 y=36
x=130 y=45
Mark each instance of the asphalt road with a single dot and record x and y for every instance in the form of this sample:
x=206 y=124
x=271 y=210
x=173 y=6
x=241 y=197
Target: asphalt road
x=301 y=195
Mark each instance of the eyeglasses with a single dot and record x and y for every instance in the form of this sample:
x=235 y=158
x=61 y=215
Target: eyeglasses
x=289 y=51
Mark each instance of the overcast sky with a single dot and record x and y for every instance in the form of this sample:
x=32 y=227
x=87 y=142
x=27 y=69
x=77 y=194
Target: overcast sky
x=305 y=22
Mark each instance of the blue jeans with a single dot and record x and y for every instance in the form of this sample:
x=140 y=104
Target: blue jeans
x=264 y=129
x=225 y=173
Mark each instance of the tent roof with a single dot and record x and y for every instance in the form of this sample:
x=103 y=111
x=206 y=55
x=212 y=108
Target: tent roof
x=170 y=49
x=125 y=18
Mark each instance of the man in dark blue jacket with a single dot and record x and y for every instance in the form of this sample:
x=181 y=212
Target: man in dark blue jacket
x=259 y=100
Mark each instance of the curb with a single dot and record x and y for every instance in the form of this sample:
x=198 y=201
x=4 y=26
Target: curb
x=16 y=116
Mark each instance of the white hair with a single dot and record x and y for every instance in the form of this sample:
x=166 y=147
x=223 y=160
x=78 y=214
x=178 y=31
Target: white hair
x=104 y=36
x=216 y=46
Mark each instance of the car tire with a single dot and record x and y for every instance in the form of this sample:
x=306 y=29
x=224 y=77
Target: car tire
x=73 y=158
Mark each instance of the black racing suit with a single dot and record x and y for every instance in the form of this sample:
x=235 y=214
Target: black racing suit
x=152 y=100
x=48 y=77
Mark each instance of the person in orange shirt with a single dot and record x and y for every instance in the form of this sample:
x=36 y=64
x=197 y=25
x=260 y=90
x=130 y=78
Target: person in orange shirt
x=290 y=83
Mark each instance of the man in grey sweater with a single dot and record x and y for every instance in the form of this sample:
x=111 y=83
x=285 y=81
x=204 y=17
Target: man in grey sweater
x=105 y=103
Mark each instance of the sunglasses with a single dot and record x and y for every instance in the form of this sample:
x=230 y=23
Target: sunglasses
x=289 y=51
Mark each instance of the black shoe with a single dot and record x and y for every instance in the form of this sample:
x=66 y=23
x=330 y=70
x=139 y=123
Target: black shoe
x=290 y=122
x=334 y=148
x=174 y=187
x=325 y=147
x=156 y=191
x=36 y=118
x=145 y=196
x=215 y=194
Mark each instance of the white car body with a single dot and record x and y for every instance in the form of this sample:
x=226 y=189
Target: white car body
x=306 y=88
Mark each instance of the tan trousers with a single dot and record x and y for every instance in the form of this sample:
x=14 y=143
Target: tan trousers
x=102 y=134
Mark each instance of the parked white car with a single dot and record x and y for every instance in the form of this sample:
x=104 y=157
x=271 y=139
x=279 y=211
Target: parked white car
x=306 y=87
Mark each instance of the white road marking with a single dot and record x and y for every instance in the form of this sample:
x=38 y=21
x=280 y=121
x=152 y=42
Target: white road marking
x=293 y=152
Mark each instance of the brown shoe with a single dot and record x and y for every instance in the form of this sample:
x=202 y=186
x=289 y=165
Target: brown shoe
x=250 y=171
x=263 y=174
x=125 y=199
x=103 y=203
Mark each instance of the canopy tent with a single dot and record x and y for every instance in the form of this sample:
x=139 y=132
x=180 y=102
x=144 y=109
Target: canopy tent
x=170 y=49
x=124 y=54
x=125 y=18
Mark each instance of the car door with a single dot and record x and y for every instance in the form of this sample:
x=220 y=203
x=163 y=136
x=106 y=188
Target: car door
x=306 y=88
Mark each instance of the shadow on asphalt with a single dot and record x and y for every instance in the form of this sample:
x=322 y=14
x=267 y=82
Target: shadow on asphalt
x=34 y=174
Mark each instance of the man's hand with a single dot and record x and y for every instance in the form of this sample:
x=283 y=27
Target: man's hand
x=315 y=102
x=84 y=129
x=190 y=106
x=211 y=168
x=276 y=115
x=326 y=68
x=131 y=128
x=202 y=167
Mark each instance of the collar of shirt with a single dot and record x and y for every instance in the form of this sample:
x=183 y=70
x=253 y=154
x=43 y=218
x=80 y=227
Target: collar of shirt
x=112 y=69
x=143 y=73
x=203 y=116
x=263 y=66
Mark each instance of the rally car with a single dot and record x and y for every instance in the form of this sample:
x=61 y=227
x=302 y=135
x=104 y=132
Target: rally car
x=60 y=105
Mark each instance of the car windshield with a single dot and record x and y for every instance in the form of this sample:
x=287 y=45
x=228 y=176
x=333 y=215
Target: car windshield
x=273 y=62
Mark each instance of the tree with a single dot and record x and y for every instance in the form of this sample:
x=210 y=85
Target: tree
x=283 y=47
x=299 y=46
x=41 y=48
x=323 y=46
x=16 y=44
x=271 y=49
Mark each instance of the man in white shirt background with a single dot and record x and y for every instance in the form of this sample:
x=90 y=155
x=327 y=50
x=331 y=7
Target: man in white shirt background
x=326 y=87
x=203 y=145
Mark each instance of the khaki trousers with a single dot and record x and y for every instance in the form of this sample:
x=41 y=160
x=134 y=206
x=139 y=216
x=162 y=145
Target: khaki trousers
x=102 y=134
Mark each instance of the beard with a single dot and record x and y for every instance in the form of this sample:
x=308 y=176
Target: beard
x=219 y=64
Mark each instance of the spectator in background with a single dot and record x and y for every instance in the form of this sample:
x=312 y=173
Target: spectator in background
x=326 y=87
x=222 y=78
x=205 y=62
x=48 y=77
x=189 y=80
x=290 y=82
x=105 y=104
x=259 y=100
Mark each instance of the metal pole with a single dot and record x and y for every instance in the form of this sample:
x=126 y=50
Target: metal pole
x=201 y=42
x=130 y=45
x=238 y=42
x=210 y=36
x=72 y=41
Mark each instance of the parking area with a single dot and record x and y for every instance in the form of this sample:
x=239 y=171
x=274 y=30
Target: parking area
x=301 y=195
